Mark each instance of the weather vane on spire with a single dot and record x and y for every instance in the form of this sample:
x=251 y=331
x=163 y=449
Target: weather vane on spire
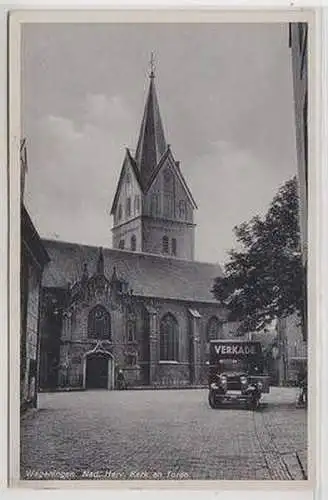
x=152 y=65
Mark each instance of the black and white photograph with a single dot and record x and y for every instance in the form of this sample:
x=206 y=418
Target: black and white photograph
x=164 y=250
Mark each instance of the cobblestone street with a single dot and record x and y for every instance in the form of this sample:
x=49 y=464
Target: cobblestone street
x=163 y=434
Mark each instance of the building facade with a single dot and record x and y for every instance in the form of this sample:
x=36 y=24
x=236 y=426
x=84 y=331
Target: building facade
x=298 y=42
x=144 y=306
x=33 y=259
x=150 y=316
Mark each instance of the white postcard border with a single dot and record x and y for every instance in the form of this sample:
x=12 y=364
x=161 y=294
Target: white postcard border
x=317 y=204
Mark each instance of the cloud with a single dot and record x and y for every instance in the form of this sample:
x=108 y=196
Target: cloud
x=73 y=169
x=228 y=114
x=233 y=184
x=106 y=110
x=61 y=128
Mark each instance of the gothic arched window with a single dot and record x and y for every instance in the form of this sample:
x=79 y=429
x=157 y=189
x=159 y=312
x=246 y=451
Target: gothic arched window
x=174 y=246
x=128 y=207
x=168 y=205
x=168 y=193
x=165 y=244
x=168 y=180
x=214 y=329
x=136 y=204
x=155 y=208
x=169 y=338
x=121 y=245
x=133 y=243
x=120 y=212
x=182 y=209
x=99 y=324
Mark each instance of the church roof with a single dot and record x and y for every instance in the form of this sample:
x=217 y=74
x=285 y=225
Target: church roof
x=147 y=275
x=151 y=143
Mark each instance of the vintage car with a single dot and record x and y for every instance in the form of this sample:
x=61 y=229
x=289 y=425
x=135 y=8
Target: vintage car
x=236 y=373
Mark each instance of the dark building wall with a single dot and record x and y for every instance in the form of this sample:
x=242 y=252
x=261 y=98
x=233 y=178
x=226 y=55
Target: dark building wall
x=31 y=276
x=51 y=331
x=299 y=43
x=33 y=259
x=299 y=54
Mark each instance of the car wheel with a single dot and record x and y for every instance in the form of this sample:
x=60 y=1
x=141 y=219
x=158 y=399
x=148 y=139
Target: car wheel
x=212 y=401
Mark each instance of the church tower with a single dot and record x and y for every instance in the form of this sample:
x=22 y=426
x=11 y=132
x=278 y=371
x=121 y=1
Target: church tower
x=153 y=208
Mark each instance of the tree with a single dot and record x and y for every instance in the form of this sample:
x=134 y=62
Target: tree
x=265 y=278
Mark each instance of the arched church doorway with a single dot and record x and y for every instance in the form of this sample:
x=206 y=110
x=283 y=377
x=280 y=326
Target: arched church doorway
x=98 y=372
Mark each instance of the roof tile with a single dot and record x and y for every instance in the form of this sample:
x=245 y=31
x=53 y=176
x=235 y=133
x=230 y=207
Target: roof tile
x=147 y=275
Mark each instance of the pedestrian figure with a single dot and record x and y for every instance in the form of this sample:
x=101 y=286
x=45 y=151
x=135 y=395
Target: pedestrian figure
x=121 y=384
x=302 y=383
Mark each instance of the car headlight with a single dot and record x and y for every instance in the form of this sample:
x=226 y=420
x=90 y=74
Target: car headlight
x=223 y=380
x=243 y=380
x=214 y=386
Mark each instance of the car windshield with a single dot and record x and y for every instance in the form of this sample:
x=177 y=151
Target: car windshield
x=238 y=365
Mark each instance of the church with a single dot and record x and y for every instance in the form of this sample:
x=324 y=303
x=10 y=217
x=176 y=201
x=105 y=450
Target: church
x=143 y=306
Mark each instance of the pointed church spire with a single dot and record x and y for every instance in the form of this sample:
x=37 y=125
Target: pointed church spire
x=100 y=262
x=152 y=66
x=151 y=144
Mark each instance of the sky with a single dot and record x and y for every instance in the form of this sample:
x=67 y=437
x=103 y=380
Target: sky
x=226 y=100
